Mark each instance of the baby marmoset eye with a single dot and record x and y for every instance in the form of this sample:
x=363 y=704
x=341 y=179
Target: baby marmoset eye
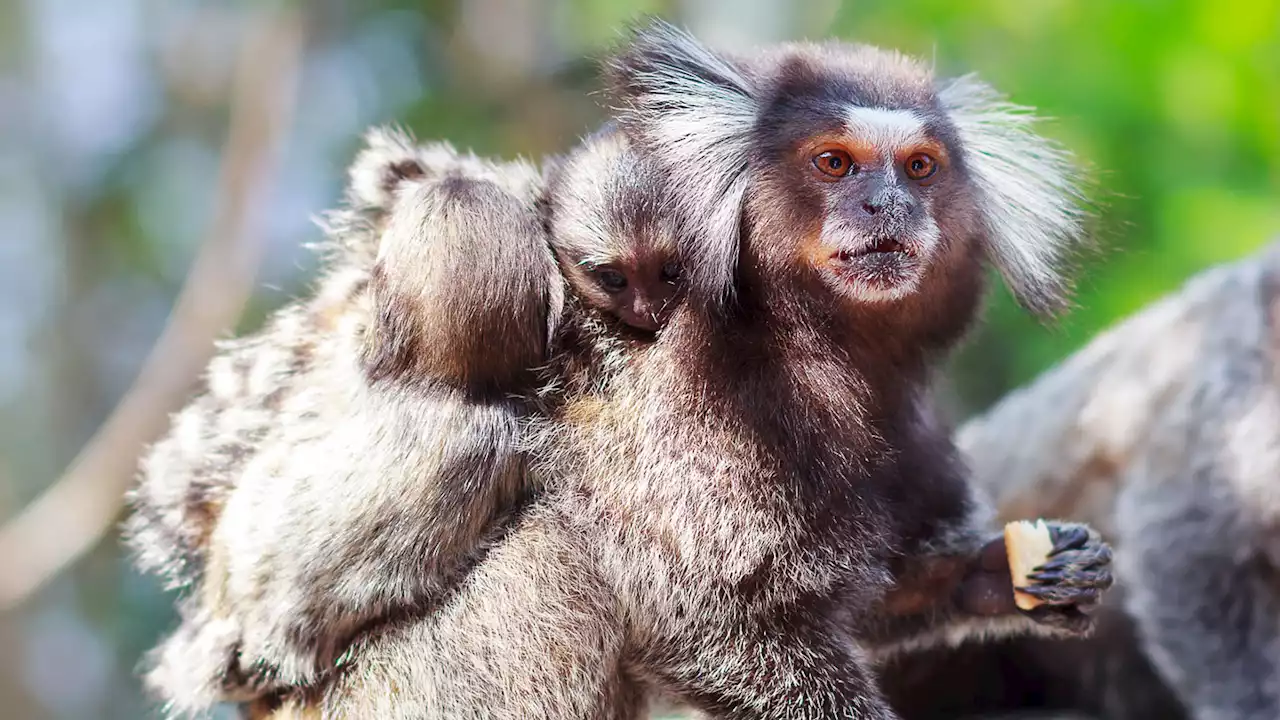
x=670 y=272
x=611 y=279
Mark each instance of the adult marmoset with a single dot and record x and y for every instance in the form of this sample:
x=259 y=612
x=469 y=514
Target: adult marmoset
x=744 y=512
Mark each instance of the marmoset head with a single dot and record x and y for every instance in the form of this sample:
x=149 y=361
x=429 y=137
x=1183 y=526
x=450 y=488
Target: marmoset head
x=850 y=164
x=613 y=237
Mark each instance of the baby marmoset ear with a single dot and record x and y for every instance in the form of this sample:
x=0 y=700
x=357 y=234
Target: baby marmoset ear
x=1033 y=203
x=693 y=111
x=390 y=159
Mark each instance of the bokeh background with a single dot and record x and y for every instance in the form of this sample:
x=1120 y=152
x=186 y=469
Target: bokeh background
x=147 y=146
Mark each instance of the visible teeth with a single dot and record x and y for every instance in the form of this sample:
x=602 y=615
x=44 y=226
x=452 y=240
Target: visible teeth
x=882 y=246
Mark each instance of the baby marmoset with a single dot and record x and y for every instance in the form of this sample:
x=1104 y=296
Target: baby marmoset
x=751 y=507
x=388 y=443
x=186 y=475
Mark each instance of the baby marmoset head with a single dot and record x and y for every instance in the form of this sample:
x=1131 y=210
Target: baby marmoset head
x=445 y=224
x=611 y=233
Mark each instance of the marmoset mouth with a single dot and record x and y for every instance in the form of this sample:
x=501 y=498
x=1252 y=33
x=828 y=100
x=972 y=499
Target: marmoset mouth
x=879 y=264
x=884 y=248
x=884 y=245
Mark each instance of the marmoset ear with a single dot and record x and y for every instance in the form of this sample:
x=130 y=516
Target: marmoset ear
x=692 y=111
x=1032 y=191
x=390 y=157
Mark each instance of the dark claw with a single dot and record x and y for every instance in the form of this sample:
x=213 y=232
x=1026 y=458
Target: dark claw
x=1096 y=583
x=1046 y=575
x=1083 y=596
x=1089 y=580
x=1102 y=579
x=1102 y=554
x=1080 y=577
x=1035 y=590
x=1096 y=554
x=1063 y=594
x=1068 y=537
x=1055 y=563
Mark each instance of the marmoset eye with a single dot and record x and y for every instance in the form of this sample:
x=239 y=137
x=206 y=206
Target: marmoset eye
x=611 y=279
x=834 y=163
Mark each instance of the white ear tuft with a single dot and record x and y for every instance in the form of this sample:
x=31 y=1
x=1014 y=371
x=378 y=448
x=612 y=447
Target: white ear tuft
x=389 y=157
x=687 y=106
x=1033 y=201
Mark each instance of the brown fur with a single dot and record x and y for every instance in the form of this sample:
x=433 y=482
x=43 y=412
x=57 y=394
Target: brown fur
x=446 y=310
x=731 y=510
x=731 y=513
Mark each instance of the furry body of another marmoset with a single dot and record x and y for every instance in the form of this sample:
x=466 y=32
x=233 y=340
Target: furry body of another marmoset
x=1180 y=469
x=742 y=513
x=384 y=452
x=186 y=475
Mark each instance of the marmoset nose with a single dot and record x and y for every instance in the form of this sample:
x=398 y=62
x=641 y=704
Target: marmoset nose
x=888 y=203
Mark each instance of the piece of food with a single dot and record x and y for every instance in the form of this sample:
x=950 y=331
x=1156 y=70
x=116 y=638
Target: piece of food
x=1028 y=544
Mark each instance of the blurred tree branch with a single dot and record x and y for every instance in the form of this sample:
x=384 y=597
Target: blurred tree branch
x=75 y=512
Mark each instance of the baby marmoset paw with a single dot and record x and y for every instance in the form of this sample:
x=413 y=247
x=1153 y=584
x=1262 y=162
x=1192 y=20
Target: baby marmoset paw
x=1059 y=571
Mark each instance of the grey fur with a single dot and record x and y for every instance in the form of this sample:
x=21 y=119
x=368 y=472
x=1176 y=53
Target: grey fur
x=1199 y=513
x=1165 y=431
